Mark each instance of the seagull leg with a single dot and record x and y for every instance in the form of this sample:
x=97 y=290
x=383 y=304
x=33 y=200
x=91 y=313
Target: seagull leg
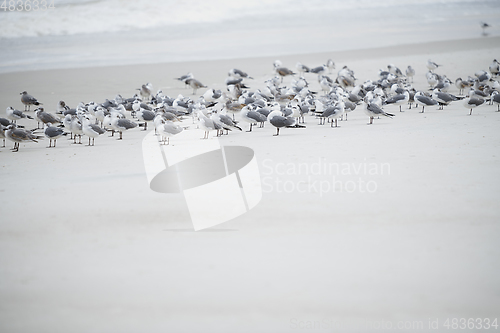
x=470 y=112
x=277 y=131
x=250 y=127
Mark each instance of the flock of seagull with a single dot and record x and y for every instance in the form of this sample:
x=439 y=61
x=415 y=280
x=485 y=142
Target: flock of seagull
x=281 y=105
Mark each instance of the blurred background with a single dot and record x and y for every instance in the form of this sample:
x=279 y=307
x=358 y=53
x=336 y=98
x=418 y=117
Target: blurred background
x=82 y=33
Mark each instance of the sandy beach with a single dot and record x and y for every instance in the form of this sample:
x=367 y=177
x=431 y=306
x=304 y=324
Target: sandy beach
x=86 y=246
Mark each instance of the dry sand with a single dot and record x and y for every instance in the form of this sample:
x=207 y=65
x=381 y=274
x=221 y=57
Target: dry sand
x=86 y=246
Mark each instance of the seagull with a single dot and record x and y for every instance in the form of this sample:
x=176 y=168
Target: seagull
x=76 y=128
x=495 y=98
x=62 y=107
x=318 y=70
x=333 y=112
x=443 y=98
x=494 y=67
x=207 y=124
x=399 y=99
x=167 y=130
x=212 y=95
x=424 y=100
x=225 y=121
x=146 y=116
x=145 y=90
x=195 y=84
x=331 y=65
x=277 y=119
x=28 y=100
x=121 y=124
x=186 y=77
x=394 y=70
x=53 y=133
x=252 y=117
x=431 y=65
x=484 y=25
x=461 y=84
x=283 y=71
x=302 y=68
x=18 y=135
x=410 y=73
x=2 y=135
x=372 y=110
x=45 y=117
x=14 y=114
x=239 y=74
x=472 y=101
x=91 y=130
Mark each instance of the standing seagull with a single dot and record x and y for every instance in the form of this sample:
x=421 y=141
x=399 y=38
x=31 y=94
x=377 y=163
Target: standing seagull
x=28 y=100
x=495 y=98
x=283 y=71
x=277 y=119
x=14 y=114
x=2 y=134
x=18 y=135
x=494 y=67
x=45 y=117
x=333 y=112
x=252 y=117
x=424 y=100
x=399 y=99
x=372 y=110
x=91 y=130
x=207 y=124
x=145 y=90
x=484 y=26
x=410 y=73
x=331 y=65
x=225 y=121
x=186 y=77
x=53 y=133
x=442 y=98
x=472 y=101
x=239 y=74
x=146 y=116
x=195 y=84
x=121 y=124
x=167 y=130
x=432 y=65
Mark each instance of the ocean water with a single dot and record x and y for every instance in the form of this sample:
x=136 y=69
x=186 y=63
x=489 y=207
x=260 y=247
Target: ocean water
x=81 y=33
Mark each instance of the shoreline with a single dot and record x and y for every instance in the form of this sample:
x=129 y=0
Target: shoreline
x=396 y=50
